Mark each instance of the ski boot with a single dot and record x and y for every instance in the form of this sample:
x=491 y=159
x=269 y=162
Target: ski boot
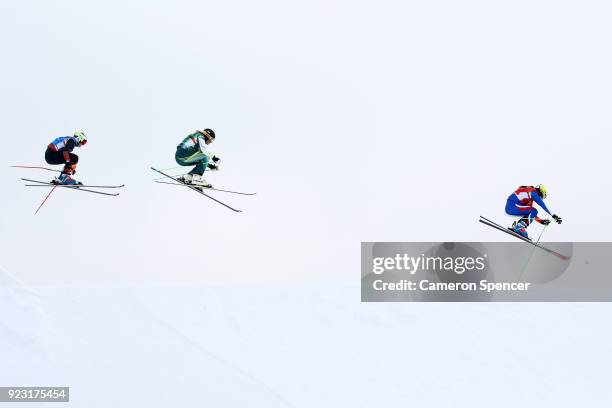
x=195 y=180
x=65 y=179
x=520 y=228
x=187 y=178
x=198 y=181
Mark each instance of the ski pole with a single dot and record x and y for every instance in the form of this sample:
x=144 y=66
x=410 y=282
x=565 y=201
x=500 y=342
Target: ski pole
x=531 y=254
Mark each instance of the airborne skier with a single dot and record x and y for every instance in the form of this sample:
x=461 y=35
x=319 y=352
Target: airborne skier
x=520 y=203
x=59 y=151
x=192 y=152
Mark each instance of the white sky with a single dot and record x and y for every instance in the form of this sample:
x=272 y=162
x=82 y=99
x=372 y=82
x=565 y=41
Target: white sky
x=354 y=121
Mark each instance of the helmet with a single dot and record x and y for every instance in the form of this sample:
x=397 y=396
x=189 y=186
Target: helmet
x=208 y=132
x=80 y=137
x=542 y=190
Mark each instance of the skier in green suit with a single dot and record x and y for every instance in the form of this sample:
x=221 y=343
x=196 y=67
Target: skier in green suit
x=192 y=152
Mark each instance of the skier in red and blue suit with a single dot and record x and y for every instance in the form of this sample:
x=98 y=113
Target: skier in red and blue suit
x=59 y=151
x=520 y=203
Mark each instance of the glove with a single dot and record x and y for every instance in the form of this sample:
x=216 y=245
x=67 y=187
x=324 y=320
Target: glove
x=545 y=222
x=213 y=167
x=557 y=218
x=215 y=159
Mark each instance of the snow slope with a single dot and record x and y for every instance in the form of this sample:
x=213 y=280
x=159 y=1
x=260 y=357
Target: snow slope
x=290 y=346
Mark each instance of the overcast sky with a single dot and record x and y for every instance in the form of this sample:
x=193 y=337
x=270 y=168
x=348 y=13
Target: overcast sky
x=352 y=120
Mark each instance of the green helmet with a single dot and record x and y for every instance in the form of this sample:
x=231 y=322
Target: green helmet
x=543 y=191
x=80 y=137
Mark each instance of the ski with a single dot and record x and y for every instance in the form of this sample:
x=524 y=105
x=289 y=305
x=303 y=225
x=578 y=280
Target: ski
x=78 y=188
x=178 y=183
x=71 y=187
x=47 y=184
x=54 y=186
x=84 y=189
x=508 y=230
x=492 y=224
x=196 y=190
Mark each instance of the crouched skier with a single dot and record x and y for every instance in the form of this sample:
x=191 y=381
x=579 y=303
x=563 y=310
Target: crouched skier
x=192 y=152
x=520 y=203
x=59 y=151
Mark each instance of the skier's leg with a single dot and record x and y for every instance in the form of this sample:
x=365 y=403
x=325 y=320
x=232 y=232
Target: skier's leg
x=70 y=167
x=200 y=167
x=197 y=159
x=189 y=158
x=525 y=220
x=533 y=215
x=198 y=171
x=53 y=157
x=69 y=170
x=513 y=208
x=527 y=213
x=182 y=159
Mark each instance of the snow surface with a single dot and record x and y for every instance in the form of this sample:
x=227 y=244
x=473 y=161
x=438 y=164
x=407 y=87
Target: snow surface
x=290 y=346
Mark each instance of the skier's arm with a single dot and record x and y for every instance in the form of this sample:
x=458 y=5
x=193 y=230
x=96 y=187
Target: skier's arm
x=70 y=145
x=536 y=197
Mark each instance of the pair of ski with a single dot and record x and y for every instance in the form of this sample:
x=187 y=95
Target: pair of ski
x=495 y=225
x=53 y=186
x=78 y=187
x=200 y=189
